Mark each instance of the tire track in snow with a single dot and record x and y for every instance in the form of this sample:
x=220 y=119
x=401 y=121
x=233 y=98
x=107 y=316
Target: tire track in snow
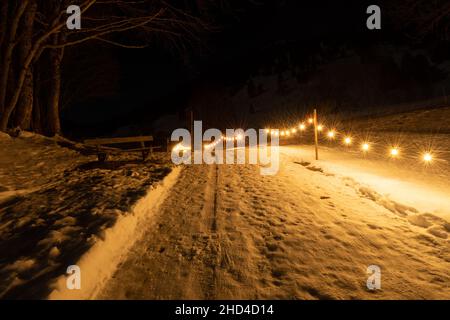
x=175 y=258
x=210 y=260
x=211 y=202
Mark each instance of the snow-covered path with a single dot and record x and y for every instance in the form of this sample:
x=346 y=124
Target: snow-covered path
x=309 y=232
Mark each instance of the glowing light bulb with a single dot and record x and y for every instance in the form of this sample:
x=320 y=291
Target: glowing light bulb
x=293 y=130
x=267 y=130
x=331 y=134
x=394 y=152
x=427 y=157
x=365 y=146
x=288 y=133
x=282 y=133
x=302 y=127
x=239 y=137
x=179 y=147
x=310 y=120
x=319 y=127
x=348 y=140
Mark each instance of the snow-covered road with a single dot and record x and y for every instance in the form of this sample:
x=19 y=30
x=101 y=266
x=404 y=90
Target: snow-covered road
x=309 y=232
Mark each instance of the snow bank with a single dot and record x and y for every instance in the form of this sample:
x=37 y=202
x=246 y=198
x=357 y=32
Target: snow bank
x=99 y=263
x=404 y=186
x=55 y=203
x=4 y=136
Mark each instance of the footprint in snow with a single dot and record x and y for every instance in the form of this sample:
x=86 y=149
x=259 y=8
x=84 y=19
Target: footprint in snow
x=436 y=226
x=315 y=169
x=419 y=221
x=303 y=163
x=438 y=232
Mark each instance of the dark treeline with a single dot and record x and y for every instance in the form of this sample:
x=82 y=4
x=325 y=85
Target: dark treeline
x=34 y=36
x=34 y=41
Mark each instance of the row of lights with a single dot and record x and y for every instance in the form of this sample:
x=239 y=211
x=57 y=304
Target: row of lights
x=394 y=152
x=180 y=147
x=301 y=127
x=237 y=137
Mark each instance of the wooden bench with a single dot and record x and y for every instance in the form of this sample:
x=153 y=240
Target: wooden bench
x=102 y=146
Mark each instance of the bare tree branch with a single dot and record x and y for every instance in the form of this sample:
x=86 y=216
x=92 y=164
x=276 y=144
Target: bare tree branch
x=102 y=20
x=421 y=18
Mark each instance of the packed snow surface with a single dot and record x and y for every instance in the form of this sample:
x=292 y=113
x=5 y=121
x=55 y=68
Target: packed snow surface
x=309 y=232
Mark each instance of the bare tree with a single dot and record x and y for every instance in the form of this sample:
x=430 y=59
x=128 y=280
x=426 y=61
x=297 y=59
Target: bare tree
x=25 y=103
x=420 y=18
x=34 y=26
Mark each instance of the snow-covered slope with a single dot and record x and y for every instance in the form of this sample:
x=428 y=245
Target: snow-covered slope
x=55 y=204
x=423 y=120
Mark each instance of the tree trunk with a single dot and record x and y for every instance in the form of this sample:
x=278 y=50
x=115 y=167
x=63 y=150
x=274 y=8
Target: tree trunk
x=3 y=20
x=34 y=54
x=37 y=112
x=56 y=56
x=25 y=104
x=9 y=40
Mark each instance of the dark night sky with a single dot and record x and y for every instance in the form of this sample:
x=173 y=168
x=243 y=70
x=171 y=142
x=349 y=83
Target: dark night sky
x=155 y=81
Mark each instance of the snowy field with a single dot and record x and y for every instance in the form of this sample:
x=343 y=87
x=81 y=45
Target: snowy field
x=55 y=204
